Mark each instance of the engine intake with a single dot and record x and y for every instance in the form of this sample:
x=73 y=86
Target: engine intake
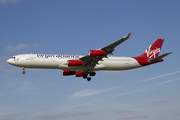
x=94 y=53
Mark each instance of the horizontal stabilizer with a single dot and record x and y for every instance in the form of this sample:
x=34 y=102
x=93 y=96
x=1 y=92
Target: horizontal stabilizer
x=158 y=58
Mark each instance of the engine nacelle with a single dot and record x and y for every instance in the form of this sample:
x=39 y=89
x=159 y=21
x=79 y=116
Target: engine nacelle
x=67 y=72
x=74 y=62
x=79 y=74
x=94 y=53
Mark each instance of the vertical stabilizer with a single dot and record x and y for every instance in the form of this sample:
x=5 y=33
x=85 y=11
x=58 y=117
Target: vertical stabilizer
x=153 y=50
x=150 y=53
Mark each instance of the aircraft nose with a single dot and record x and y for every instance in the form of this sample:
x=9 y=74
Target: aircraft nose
x=9 y=61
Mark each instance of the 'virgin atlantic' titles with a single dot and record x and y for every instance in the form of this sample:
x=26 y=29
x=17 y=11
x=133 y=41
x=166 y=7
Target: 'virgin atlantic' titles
x=57 y=56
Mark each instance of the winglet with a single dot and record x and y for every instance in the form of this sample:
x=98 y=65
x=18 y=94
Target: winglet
x=128 y=35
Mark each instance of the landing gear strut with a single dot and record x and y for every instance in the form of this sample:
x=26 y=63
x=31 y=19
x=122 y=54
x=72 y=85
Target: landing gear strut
x=23 y=72
x=90 y=73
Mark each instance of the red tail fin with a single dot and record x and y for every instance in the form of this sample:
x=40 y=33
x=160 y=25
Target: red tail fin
x=150 y=53
x=153 y=50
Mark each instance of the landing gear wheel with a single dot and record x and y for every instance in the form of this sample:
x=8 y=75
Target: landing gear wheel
x=92 y=73
x=84 y=77
x=89 y=78
x=23 y=72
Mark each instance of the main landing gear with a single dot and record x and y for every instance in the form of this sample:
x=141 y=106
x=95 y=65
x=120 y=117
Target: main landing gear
x=89 y=72
x=23 y=72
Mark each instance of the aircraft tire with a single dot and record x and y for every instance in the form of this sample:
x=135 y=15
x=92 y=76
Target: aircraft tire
x=84 y=77
x=89 y=78
x=23 y=72
x=92 y=74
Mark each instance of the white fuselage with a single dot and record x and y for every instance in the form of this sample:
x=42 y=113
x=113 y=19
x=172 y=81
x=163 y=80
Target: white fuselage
x=47 y=61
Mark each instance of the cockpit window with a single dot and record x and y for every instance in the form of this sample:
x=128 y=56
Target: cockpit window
x=13 y=57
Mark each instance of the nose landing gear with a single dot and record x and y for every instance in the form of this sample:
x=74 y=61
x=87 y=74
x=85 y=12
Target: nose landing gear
x=23 y=72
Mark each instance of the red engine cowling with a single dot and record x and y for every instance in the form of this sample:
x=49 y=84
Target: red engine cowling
x=74 y=62
x=67 y=72
x=79 y=74
x=94 y=53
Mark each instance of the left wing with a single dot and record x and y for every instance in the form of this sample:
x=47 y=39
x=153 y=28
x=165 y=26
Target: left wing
x=110 y=48
x=94 y=56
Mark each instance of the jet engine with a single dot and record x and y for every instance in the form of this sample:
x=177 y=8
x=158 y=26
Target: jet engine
x=67 y=72
x=74 y=62
x=94 y=53
x=79 y=74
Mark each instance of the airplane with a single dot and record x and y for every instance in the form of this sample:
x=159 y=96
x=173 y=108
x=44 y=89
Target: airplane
x=86 y=66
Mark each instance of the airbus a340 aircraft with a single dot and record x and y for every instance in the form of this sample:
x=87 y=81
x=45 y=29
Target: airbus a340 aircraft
x=85 y=66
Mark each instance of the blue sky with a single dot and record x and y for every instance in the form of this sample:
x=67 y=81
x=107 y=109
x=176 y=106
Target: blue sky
x=75 y=27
